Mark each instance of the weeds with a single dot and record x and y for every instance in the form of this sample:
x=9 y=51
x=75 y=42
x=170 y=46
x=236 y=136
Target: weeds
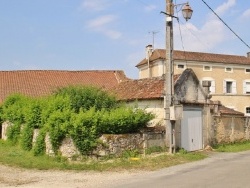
x=16 y=156
x=233 y=147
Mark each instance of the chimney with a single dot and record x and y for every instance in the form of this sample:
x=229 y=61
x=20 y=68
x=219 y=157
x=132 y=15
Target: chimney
x=248 y=54
x=149 y=51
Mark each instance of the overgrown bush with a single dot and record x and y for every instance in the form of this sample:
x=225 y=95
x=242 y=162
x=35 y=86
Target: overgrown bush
x=87 y=97
x=84 y=131
x=13 y=110
x=83 y=113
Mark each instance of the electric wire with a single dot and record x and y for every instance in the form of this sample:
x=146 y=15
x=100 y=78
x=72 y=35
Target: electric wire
x=237 y=74
x=226 y=24
x=183 y=48
x=194 y=35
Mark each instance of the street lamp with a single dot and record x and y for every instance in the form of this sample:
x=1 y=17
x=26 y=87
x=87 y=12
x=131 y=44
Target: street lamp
x=169 y=73
x=187 y=12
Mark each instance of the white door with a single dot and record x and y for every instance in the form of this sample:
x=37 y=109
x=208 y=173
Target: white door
x=191 y=129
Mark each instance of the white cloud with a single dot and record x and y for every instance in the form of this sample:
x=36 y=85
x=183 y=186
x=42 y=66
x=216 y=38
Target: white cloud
x=94 y=5
x=225 y=6
x=101 y=21
x=112 y=33
x=199 y=39
x=207 y=37
x=150 y=8
x=246 y=14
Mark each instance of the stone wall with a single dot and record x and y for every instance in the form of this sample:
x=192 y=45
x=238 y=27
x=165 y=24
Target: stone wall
x=5 y=125
x=231 y=129
x=111 y=144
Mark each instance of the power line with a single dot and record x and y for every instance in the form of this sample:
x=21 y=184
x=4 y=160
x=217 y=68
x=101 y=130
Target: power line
x=226 y=24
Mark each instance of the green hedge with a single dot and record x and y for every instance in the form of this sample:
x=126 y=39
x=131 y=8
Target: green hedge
x=83 y=113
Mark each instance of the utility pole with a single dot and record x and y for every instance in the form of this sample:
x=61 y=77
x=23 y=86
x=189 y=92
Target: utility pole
x=169 y=88
x=169 y=100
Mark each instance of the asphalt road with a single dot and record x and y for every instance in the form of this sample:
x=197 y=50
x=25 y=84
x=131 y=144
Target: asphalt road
x=230 y=170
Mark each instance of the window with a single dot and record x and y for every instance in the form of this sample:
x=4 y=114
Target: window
x=246 y=87
x=248 y=71
x=229 y=86
x=248 y=111
x=207 y=68
x=180 y=66
x=228 y=69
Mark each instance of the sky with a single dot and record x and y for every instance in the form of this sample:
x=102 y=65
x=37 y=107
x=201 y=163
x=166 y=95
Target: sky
x=112 y=34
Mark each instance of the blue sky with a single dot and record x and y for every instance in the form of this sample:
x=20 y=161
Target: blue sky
x=111 y=34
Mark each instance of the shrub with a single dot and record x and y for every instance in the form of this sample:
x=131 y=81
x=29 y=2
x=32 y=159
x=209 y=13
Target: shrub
x=13 y=111
x=84 y=113
x=39 y=147
x=123 y=120
x=58 y=125
x=86 y=97
x=84 y=131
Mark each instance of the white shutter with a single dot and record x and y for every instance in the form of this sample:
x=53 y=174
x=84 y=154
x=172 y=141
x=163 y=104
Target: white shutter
x=244 y=87
x=234 y=89
x=212 y=87
x=247 y=84
x=224 y=86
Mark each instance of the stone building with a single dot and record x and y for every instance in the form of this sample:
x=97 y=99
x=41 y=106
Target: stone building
x=229 y=75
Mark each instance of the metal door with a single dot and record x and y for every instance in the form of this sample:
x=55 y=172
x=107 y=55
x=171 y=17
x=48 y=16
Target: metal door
x=191 y=129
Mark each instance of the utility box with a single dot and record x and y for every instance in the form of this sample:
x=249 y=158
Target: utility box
x=176 y=112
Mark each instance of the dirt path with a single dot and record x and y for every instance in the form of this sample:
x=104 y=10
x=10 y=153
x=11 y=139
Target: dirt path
x=16 y=177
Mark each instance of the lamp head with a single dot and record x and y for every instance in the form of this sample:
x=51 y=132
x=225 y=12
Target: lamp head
x=187 y=11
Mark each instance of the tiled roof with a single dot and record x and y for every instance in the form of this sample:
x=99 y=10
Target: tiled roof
x=228 y=111
x=43 y=82
x=147 y=88
x=198 y=56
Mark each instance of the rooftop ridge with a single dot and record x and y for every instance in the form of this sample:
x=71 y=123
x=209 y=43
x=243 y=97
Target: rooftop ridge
x=44 y=70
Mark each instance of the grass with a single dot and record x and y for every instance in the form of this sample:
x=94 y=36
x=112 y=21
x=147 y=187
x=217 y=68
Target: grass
x=14 y=156
x=233 y=147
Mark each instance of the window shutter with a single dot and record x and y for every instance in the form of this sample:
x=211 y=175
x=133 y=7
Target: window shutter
x=212 y=87
x=247 y=85
x=234 y=89
x=244 y=87
x=224 y=86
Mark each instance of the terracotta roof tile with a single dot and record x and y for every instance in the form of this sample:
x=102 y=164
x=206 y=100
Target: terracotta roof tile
x=147 y=88
x=43 y=82
x=228 y=111
x=198 y=56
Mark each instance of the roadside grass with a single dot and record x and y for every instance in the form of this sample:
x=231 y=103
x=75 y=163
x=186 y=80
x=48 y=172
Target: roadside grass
x=233 y=147
x=15 y=156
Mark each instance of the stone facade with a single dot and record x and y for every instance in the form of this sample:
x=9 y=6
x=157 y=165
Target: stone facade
x=231 y=129
x=217 y=73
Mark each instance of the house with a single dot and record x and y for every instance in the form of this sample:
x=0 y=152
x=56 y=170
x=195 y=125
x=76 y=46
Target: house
x=37 y=83
x=229 y=75
x=193 y=131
